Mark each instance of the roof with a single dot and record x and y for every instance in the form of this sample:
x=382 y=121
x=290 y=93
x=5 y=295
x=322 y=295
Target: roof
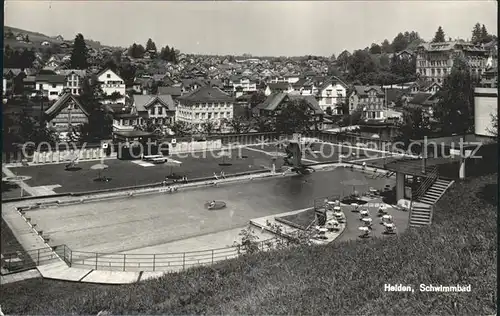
x=61 y=103
x=311 y=101
x=173 y=91
x=275 y=99
x=51 y=78
x=278 y=86
x=420 y=98
x=206 y=94
x=393 y=95
x=67 y=72
x=272 y=101
x=143 y=101
x=117 y=108
x=29 y=79
x=14 y=71
x=104 y=70
x=451 y=45
x=363 y=90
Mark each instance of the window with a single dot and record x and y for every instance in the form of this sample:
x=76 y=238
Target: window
x=152 y=111
x=197 y=115
x=209 y=115
x=160 y=110
x=54 y=85
x=108 y=76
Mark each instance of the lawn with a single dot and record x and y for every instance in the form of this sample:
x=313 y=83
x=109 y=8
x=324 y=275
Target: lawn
x=344 y=278
x=8 y=241
x=302 y=219
x=127 y=173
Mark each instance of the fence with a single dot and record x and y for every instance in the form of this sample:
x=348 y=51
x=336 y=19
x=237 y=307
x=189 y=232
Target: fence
x=170 y=262
x=157 y=262
x=24 y=260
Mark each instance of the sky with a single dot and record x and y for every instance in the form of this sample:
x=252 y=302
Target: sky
x=260 y=28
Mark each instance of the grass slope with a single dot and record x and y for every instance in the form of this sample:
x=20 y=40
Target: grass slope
x=340 y=279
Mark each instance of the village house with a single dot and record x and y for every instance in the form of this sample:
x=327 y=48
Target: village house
x=53 y=62
x=276 y=102
x=111 y=84
x=426 y=101
x=332 y=93
x=425 y=87
x=278 y=87
x=205 y=104
x=51 y=86
x=160 y=108
x=370 y=99
x=66 y=113
x=435 y=60
x=74 y=80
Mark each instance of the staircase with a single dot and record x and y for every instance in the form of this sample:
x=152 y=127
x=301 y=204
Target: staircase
x=421 y=211
x=435 y=192
x=420 y=215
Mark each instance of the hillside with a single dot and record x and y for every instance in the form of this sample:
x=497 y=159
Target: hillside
x=37 y=39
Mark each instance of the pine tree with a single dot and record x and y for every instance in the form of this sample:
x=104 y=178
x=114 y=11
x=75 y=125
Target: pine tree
x=455 y=111
x=476 y=33
x=150 y=45
x=484 y=37
x=440 y=36
x=79 y=54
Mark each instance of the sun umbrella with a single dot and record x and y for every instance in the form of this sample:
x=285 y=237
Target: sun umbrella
x=99 y=167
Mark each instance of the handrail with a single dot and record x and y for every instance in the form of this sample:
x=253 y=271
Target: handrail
x=431 y=177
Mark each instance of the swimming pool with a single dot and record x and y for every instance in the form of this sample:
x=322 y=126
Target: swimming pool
x=157 y=220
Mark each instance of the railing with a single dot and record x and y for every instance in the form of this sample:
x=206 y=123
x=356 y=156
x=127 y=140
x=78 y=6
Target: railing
x=158 y=262
x=24 y=260
x=432 y=175
x=173 y=262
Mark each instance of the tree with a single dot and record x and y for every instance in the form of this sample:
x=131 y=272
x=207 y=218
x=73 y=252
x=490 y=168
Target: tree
x=181 y=128
x=476 y=34
x=150 y=46
x=100 y=122
x=127 y=72
x=400 y=42
x=386 y=47
x=79 y=54
x=333 y=58
x=404 y=68
x=208 y=127
x=294 y=117
x=494 y=125
x=239 y=125
x=455 y=110
x=439 y=36
x=32 y=130
x=360 y=63
x=415 y=124
x=136 y=51
x=375 y=49
x=264 y=124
